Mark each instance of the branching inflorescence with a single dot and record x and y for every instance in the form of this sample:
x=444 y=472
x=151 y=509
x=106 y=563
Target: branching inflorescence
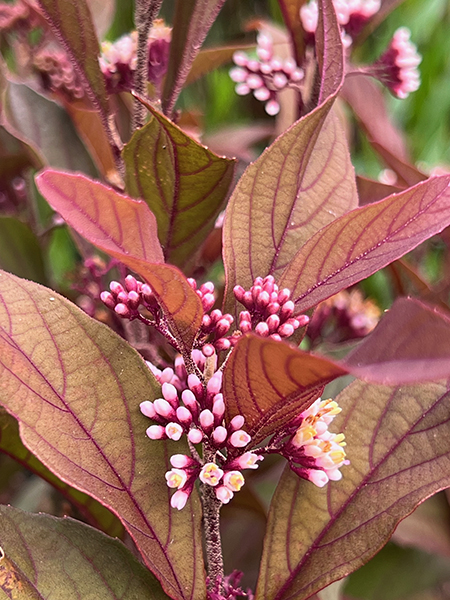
x=192 y=403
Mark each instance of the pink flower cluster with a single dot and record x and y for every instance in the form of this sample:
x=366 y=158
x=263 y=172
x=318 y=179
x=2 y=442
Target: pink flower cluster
x=313 y=452
x=397 y=67
x=118 y=59
x=352 y=15
x=57 y=73
x=126 y=300
x=265 y=76
x=269 y=311
x=198 y=412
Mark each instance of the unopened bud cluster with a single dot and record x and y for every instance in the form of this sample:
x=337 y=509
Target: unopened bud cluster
x=126 y=300
x=198 y=412
x=265 y=76
x=269 y=310
x=119 y=59
x=313 y=452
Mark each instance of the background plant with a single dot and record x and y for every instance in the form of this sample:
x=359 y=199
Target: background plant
x=72 y=387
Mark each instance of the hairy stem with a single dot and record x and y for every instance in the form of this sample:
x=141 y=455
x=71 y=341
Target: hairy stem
x=146 y=11
x=211 y=525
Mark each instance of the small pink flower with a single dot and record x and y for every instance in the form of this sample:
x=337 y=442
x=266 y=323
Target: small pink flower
x=176 y=478
x=210 y=474
x=179 y=499
x=249 y=460
x=239 y=439
x=224 y=494
x=174 y=431
x=195 y=436
x=233 y=480
x=319 y=478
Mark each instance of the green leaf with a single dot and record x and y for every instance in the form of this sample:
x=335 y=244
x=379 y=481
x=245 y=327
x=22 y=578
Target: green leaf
x=191 y=23
x=301 y=183
x=75 y=388
x=72 y=25
x=183 y=183
x=95 y=513
x=46 y=127
x=20 y=252
x=126 y=229
x=60 y=559
x=398 y=444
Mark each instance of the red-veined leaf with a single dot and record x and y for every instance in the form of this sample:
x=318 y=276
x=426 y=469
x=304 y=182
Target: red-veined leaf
x=72 y=25
x=75 y=387
x=94 y=512
x=330 y=51
x=270 y=383
x=183 y=183
x=44 y=557
x=366 y=239
x=398 y=444
x=191 y=23
x=126 y=229
x=302 y=182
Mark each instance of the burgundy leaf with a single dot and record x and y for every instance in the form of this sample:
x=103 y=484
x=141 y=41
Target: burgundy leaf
x=95 y=513
x=370 y=190
x=75 y=387
x=182 y=181
x=302 y=182
x=191 y=23
x=270 y=383
x=410 y=343
x=330 y=51
x=43 y=557
x=126 y=229
x=398 y=444
x=291 y=15
x=72 y=25
x=365 y=240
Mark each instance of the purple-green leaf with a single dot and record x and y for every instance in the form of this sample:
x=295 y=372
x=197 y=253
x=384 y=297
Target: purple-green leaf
x=75 y=387
x=72 y=25
x=291 y=15
x=126 y=229
x=191 y=23
x=366 y=239
x=44 y=557
x=301 y=183
x=398 y=444
x=410 y=343
x=183 y=183
x=329 y=50
x=93 y=512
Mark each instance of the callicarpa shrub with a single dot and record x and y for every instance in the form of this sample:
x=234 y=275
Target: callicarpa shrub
x=176 y=379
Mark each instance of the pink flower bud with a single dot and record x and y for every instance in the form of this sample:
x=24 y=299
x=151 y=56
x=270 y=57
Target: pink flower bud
x=206 y=419
x=147 y=293
x=174 y=431
x=190 y=401
x=207 y=287
x=222 y=344
x=238 y=292
x=262 y=329
x=214 y=385
x=156 y=432
x=180 y=461
x=262 y=300
x=170 y=393
x=195 y=385
x=134 y=300
x=272 y=108
x=219 y=435
x=122 y=297
x=208 y=301
x=236 y=422
x=223 y=494
x=163 y=408
x=147 y=409
x=254 y=81
x=122 y=310
x=116 y=288
x=218 y=407
x=280 y=80
x=244 y=316
x=319 y=478
x=179 y=499
x=192 y=283
x=208 y=350
x=255 y=291
x=222 y=327
x=229 y=318
x=302 y=320
x=206 y=322
x=131 y=283
x=108 y=300
x=166 y=376
x=240 y=59
x=287 y=310
x=216 y=315
x=272 y=308
x=273 y=323
x=275 y=337
x=284 y=295
x=184 y=415
x=247 y=301
x=195 y=436
x=239 y=439
x=286 y=330
x=262 y=94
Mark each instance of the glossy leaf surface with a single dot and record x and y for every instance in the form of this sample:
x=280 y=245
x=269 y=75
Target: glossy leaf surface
x=302 y=182
x=398 y=444
x=73 y=26
x=75 y=387
x=50 y=558
x=46 y=127
x=183 y=183
x=364 y=240
x=270 y=383
x=95 y=513
x=192 y=21
x=126 y=229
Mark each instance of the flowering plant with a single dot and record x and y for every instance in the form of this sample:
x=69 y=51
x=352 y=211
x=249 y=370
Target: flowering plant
x=186 y=370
